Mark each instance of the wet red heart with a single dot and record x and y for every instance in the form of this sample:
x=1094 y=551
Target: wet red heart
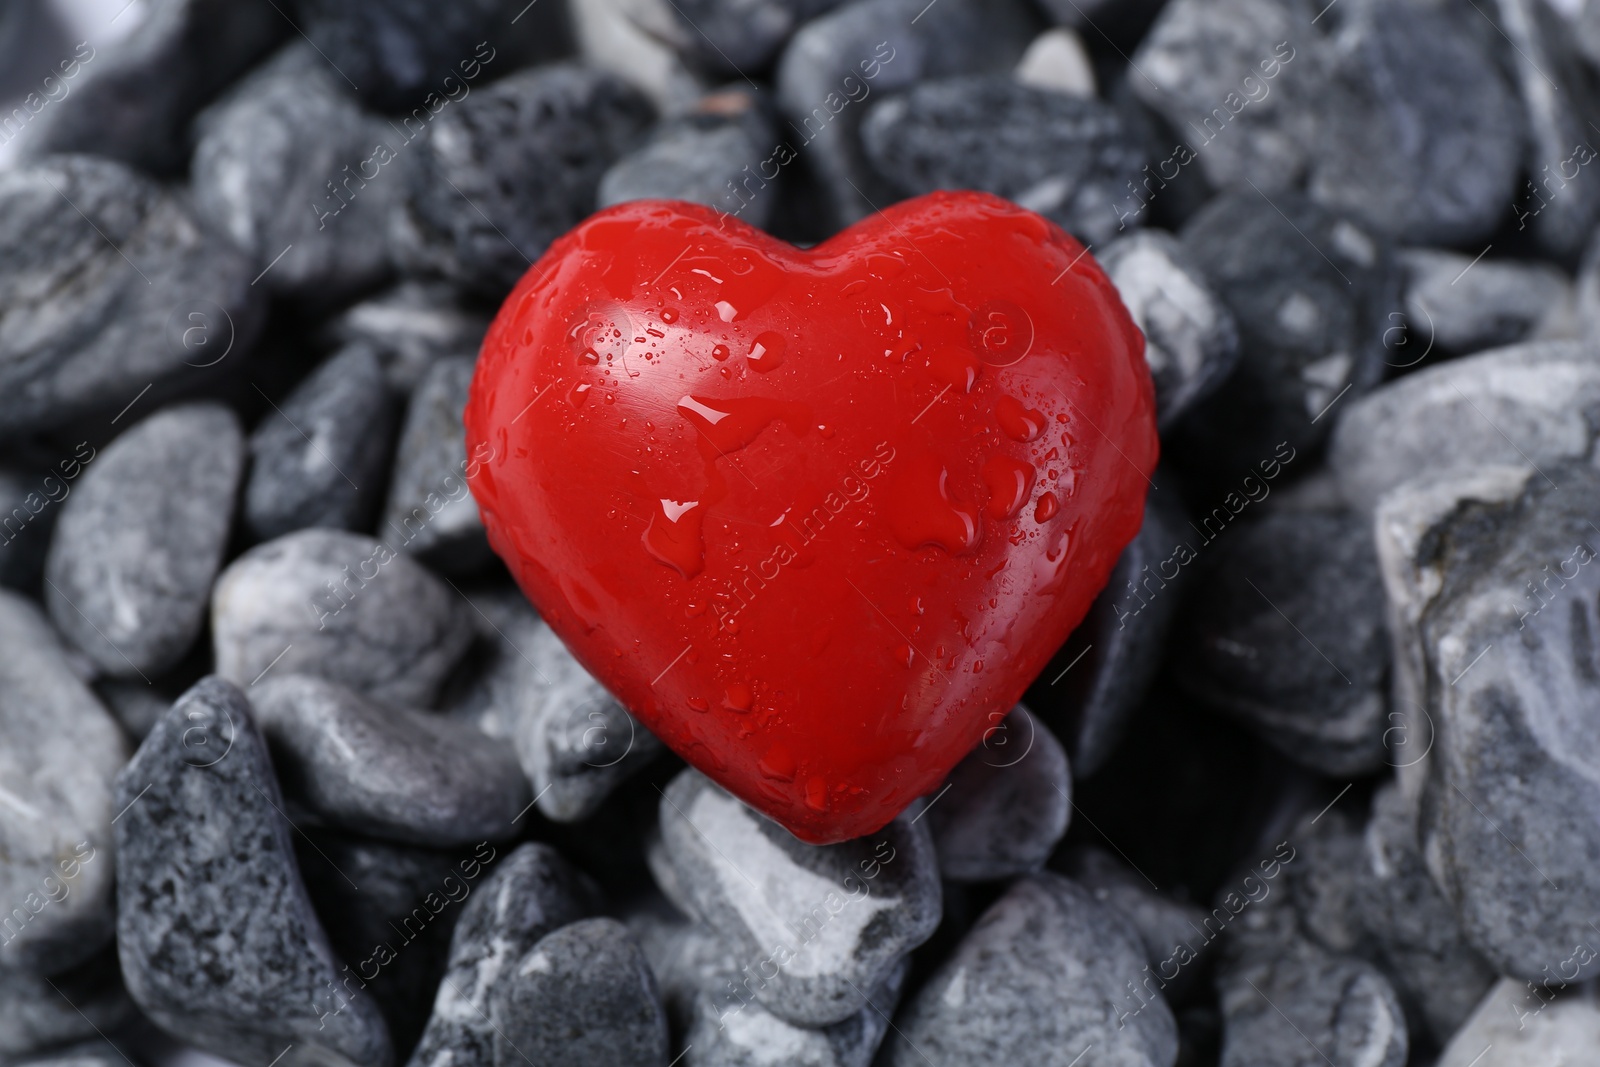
x=817 y=517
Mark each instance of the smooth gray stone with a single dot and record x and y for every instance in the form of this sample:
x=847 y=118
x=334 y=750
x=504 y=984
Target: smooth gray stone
x=716 y=155
x=430 y=512
x=338 y=606
x=899 y=44
x=134 y=100
x=510 y=169
x=834 y=919
x=111 y=284
x=1310 y=293
x=1496 y=639
x=217 y=937
x=132 y=561
x=1043 y=976
x=1008 y=803
x=410 y=327
x=319 y=458
x=35 y=1017
x=643 y=42
x=1463 y=307
x=582 y=997
x=531 y=892
x=1067 y=157
x=733 y=36
x=493 y=687
x=60 y=755
x=1517 y=405
x=391 y=772
x=95 y=1052
x=1515 y=1027
x=288 y=166
x=1287 y=633
x=1190 y=340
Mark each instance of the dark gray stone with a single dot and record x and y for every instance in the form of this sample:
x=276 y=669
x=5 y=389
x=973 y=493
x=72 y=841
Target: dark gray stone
x=582 y=997
x=430 y=511
x=289 y=167
x=733 y=36
x=715 y=155
x=111 y=284
x=28 y=513
x=319 y=458
x=532 y=892
x=138 y=545
x=402 y=775
x=134 y=704
x=38 y=1013
x=338 y=606
x=835 y=63
x=135 y=101
x=1190 y=341
x=492 y=687
x=410 y=327
x=1310 y=293
x=1008 y=803
x=218 y=940
x=510 y=169
x=1287 y=633
x=1464 y=307
x=60 y=754
x=1044 y=976
x=835 y=919
x=1066 y=157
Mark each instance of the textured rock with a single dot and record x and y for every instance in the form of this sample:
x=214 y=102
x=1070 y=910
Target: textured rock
x=60 y=754
x=1066 y=157
x=1001 y=997
x=1530 y=403
x=1190 y=340
x=834 y=919
x=399 y=53
x=34 y=1016
x=1464 y=307
x=430 y=511
x=643 y=43
x=532 y=892
x=218 y=941
x=1286 y=631
x=138 y=545
x=582 y=997
x=312 y=455
x=111 y=284
x=1514 y=1027
x=835 y=63
x=732 y=36
x=402 y=775
x=410 y=327
x=134 y=102
x=1057 y=60
x=342 y=607
x=509 y=170
x=1008 y=803
x=287 y=166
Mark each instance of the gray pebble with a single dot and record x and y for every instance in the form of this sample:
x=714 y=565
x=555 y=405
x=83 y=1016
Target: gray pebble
x=1463 y=307
x=510 y=169
x=837 y=62
x=1066 y=157
x=430 y=511
x=35 y=1017
x=289 y=167
x=218 y=940
x=410 y=327
x=96 y=1052
x=139 y=543
x=1287 y=632
x=111 y=285
x=732 y=36
x=1058 y=61
x=134 y=704
x=134 y=100
x=531 y=892
x=1007 y=804
x=582 y=997
x=1047 y=974
x=398 y=774
x=643 y=42
x=319 y=457
x=494 y=686
x=1190 y=341
x=1516 y=1027
x=832 y=919
x=60 y=754
x=338 y=606
x=29 y=499
x=1521 y=404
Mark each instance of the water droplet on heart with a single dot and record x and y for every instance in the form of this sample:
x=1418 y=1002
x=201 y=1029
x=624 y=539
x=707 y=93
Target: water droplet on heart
x=1050 y=570
x=675 y=538
x=817 y=793
x=698 y=704
x=767 y=351
x=694 y=608
x=905 y=655
x=527 y=336
x=1019 y=423
x=589 y=355
x=726 y=311
x=579 y=394
x=778 y=764
x=738 y=697
x=669 y=315
x=954 y=368
x=1046 y=508
x=731 y=424
x=720 y=353
x=916 y=605
x=1010 y=483
x=922 y=513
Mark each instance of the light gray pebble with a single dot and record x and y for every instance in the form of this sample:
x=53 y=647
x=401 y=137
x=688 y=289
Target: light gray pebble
x=430 y=512
x=1516 y=1027
x=138 y=545
x=1465 y=307
x=338 y=606
x=732 y=36
x=410 y=326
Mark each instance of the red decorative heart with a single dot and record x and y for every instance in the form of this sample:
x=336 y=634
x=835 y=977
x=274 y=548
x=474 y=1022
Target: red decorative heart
x=817 y=517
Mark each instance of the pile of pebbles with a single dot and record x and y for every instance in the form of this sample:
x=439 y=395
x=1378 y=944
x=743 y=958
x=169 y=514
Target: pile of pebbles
x=291 y=774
